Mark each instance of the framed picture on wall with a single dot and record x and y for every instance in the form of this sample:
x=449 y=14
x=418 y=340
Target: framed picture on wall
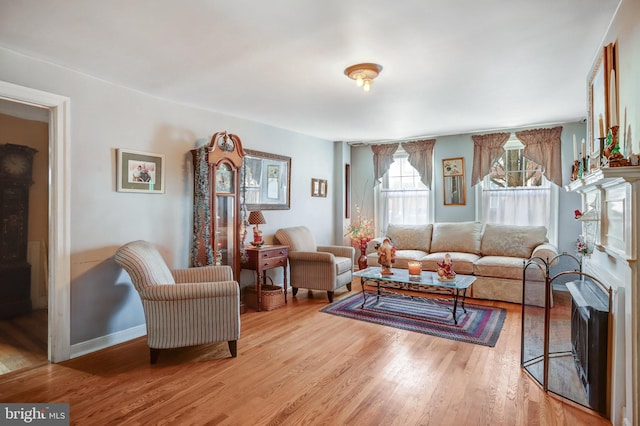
x=266 y=180
x=140 y=172
x=318 y=187
x=453 y=181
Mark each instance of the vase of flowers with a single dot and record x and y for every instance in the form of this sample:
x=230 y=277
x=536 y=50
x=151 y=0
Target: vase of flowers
x=582 y=248
x=360 y=231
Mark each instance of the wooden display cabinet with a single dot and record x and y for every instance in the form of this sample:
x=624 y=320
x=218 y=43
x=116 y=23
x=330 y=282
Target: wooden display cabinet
x=224 y=159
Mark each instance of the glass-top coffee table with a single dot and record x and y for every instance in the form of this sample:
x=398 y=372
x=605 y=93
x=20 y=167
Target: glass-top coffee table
x=426 y=282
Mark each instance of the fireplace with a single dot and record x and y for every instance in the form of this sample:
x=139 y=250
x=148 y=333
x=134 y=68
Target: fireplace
x=590 y=339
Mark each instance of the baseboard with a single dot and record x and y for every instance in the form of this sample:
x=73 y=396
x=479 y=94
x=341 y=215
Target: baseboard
x=103 y=342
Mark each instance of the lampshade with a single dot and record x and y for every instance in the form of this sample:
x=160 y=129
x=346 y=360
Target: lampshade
x=363 y=74
x=256 y=218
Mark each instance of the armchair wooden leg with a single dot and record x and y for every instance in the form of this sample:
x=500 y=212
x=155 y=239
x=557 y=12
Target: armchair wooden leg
x=153 y=355
x=233 y=348
x=349 y=286
x=294 y=290
x=330 y=296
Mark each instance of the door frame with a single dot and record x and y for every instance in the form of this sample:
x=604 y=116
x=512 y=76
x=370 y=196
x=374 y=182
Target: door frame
x=58 y=274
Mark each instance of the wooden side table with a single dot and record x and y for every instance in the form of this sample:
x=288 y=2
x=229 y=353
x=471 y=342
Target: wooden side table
x=261 y=259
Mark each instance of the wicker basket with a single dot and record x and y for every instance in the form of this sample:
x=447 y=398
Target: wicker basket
x=272 y=297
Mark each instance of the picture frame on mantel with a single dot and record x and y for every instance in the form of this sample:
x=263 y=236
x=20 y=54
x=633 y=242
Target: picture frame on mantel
x=599 y=104
x=454 y=191
x=140 y=172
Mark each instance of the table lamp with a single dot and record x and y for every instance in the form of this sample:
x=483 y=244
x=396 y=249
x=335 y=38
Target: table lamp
x=256 y=218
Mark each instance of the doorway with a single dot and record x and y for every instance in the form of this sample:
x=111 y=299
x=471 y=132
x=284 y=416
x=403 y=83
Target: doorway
x=23 y=304
x=58 y=270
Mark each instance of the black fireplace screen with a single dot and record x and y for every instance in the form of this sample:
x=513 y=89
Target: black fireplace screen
x=565 y=333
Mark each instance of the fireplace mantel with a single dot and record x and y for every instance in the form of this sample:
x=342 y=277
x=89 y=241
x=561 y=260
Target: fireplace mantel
x=605 y=177
x=614 y=192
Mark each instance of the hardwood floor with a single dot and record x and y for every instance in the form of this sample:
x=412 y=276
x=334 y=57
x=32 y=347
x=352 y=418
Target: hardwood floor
x=297 y=365
x=23 y=341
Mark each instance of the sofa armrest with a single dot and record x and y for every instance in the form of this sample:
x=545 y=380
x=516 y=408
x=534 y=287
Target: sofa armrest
x=311 y=256
x=203 y=274
x=545 y=251
x=186 y=291
x=340 y=251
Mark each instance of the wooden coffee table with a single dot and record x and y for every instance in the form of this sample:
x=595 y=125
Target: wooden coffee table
x=426 y=282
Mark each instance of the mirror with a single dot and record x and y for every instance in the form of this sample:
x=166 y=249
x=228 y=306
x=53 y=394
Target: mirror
x=453 y=181
x=266 y=181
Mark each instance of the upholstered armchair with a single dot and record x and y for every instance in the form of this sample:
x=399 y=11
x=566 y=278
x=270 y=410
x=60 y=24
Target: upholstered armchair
x=183 y=307
x=315 y=267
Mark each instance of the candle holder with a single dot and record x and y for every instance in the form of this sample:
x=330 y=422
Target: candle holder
x=602 y=158
x=415 y=270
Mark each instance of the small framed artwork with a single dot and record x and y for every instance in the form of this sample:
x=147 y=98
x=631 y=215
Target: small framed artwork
x=453 y=181
x=140 y=172
x=318 y=187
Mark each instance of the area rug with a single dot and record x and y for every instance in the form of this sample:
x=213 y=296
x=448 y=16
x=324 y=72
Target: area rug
x=480 y=325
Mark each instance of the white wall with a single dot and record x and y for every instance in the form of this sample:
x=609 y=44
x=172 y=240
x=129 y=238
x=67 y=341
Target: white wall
x=105 y=117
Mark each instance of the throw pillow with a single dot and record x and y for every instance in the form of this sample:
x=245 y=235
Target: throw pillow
x=461 y=237
x=410 y=237
x=511 y=240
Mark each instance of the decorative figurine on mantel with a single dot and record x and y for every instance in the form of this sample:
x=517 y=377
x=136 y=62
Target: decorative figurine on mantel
x=386 y=256
x=445 y=269
x=612 y=151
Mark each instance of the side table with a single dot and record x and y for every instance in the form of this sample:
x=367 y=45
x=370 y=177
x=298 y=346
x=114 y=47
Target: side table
x=261 y=259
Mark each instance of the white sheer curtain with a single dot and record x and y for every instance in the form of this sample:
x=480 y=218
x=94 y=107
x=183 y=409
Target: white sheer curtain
x=517 y=206
x=404 y=207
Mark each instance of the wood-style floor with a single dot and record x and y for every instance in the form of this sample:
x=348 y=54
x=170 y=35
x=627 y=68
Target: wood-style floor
x=23 y=341
x=297 y=365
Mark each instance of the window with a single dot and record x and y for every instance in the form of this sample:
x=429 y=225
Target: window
x=515 y=192
x=403 y=198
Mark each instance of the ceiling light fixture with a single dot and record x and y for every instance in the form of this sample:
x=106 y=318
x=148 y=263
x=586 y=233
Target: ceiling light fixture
x=363 y=74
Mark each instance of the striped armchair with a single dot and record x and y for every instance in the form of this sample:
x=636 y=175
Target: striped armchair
x=183 y=307
x=316 y=267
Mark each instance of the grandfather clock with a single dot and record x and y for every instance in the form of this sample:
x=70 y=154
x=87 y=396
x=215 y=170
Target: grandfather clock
x=224 y=156
x=16 y=166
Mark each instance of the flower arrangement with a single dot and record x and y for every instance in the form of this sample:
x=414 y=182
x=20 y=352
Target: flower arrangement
x=360 y=230
x=581 y=247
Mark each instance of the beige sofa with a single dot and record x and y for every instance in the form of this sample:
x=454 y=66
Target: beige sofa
x=495 y=254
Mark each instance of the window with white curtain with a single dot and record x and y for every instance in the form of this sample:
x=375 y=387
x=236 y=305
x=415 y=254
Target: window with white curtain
x=515 y=192
x=402 y=197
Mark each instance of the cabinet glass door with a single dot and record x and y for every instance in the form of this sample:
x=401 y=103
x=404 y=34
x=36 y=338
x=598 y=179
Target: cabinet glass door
x=225 y=229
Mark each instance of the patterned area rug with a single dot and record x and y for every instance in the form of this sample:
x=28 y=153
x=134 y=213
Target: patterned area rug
x=480 y=325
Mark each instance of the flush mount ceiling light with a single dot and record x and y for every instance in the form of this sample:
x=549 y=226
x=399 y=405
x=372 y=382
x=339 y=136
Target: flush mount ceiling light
x=363 y=74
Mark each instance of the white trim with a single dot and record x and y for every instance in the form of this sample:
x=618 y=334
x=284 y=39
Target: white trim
x=59 y=212
x=102 y=342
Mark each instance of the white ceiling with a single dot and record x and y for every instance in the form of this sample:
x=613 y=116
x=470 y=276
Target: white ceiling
x=450 y=66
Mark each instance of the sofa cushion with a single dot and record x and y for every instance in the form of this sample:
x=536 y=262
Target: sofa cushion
x=410 y=237
x=506 y=267
x=462 y=262
x=343 y=264
x=461 y=237
x=511 y=240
